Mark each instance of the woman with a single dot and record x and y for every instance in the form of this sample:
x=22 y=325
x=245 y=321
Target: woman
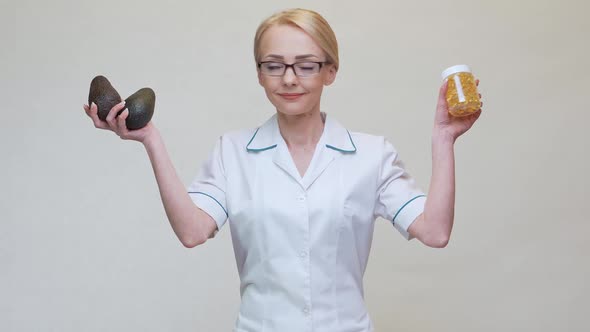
x=301 y=192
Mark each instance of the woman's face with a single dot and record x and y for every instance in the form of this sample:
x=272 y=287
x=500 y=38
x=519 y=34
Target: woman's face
x=291 y=94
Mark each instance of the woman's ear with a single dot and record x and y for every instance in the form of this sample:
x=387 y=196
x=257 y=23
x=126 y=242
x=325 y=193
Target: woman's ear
x=331 y=74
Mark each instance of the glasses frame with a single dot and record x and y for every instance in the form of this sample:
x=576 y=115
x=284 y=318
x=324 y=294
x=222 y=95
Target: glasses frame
x=292 y=65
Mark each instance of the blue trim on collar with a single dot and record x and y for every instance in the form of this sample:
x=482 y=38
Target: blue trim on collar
x=345 y=151
x=257 y=150
x=275 y=145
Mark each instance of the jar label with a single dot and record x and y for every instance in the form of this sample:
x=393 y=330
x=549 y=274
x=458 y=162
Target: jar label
x=460 y=93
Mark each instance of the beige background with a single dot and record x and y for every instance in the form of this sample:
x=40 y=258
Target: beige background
x=84 y=241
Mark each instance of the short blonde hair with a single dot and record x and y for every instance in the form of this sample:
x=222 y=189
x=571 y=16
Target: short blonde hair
x=310 y=22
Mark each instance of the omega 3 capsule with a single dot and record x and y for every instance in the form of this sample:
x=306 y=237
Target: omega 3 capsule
x=462 y=95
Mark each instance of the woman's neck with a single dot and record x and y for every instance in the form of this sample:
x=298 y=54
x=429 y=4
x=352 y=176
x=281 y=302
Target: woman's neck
x=302 y=130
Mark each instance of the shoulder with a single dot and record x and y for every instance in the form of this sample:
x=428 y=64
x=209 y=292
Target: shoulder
x=239 y=137
x=369 y=143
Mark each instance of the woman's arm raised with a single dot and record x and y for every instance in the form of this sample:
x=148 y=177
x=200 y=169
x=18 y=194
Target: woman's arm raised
x=434 y=226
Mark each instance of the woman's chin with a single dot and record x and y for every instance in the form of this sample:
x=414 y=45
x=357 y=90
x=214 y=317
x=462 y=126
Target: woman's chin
x=292 y=110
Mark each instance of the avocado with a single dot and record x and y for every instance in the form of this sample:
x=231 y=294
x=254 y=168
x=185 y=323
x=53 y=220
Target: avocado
x=141 y=108
x=103 y=95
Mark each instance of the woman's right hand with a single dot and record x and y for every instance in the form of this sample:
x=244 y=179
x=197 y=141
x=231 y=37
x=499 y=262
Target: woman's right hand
x=117 y=125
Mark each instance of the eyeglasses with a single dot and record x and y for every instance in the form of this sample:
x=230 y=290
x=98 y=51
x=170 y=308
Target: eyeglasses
x=302 y=69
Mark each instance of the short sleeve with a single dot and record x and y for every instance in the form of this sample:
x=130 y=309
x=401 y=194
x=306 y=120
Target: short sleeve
x=207 y=190
x=399 y=199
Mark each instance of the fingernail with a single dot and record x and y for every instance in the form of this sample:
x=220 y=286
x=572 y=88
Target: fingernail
x=122 y=103
x=93 y=104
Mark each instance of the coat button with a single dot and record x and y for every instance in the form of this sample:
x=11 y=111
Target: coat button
x=303 y=254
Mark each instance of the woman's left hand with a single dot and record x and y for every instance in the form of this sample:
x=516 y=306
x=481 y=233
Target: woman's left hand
x=451 y=126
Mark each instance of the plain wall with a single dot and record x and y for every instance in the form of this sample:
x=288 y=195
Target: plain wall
x=85 y=244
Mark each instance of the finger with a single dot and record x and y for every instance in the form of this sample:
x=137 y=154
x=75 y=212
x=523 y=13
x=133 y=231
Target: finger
x=477 y=82
x=473 y=116
x=442 y=109
x=92 y=113
x=113 y=113
x=442 y=94
x=121 y=121
x=477 y=114
x=87 y=110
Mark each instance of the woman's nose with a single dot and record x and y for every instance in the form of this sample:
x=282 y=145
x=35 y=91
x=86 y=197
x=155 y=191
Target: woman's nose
x=289 y=77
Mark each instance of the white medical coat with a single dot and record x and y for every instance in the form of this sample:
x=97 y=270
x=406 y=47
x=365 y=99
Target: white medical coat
x=302 y=244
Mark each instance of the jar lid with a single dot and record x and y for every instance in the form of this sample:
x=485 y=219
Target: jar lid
x=455 y=69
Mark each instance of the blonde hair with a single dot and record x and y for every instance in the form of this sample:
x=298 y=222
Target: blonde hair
x=310 y=22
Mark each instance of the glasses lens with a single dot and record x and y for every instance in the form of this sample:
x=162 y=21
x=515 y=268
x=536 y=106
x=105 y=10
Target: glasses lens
x=307 y=68
x=272 y=68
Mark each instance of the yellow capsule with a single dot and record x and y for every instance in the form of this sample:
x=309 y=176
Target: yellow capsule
x=462 y=95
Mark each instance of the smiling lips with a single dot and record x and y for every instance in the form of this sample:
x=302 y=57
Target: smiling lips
x=291 y=96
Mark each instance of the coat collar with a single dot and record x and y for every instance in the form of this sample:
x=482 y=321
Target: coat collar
x=335 y=142
x=334 y=136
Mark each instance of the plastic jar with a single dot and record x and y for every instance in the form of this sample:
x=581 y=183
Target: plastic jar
x=462 y=95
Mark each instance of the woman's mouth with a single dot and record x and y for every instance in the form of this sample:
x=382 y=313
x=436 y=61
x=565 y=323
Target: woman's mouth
x=291 y=96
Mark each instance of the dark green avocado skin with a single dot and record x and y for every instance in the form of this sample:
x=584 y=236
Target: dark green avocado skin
x=141 y=108
x=103 y=95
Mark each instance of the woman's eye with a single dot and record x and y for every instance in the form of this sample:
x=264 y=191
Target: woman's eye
x=274 y=66
x=306 y=66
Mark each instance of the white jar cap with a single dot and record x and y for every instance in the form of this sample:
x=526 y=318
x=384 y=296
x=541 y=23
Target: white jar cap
x=455 y=69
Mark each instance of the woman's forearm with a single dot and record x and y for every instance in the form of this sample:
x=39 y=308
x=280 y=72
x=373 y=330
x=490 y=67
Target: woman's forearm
x=180 y=209
x=439 y=210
